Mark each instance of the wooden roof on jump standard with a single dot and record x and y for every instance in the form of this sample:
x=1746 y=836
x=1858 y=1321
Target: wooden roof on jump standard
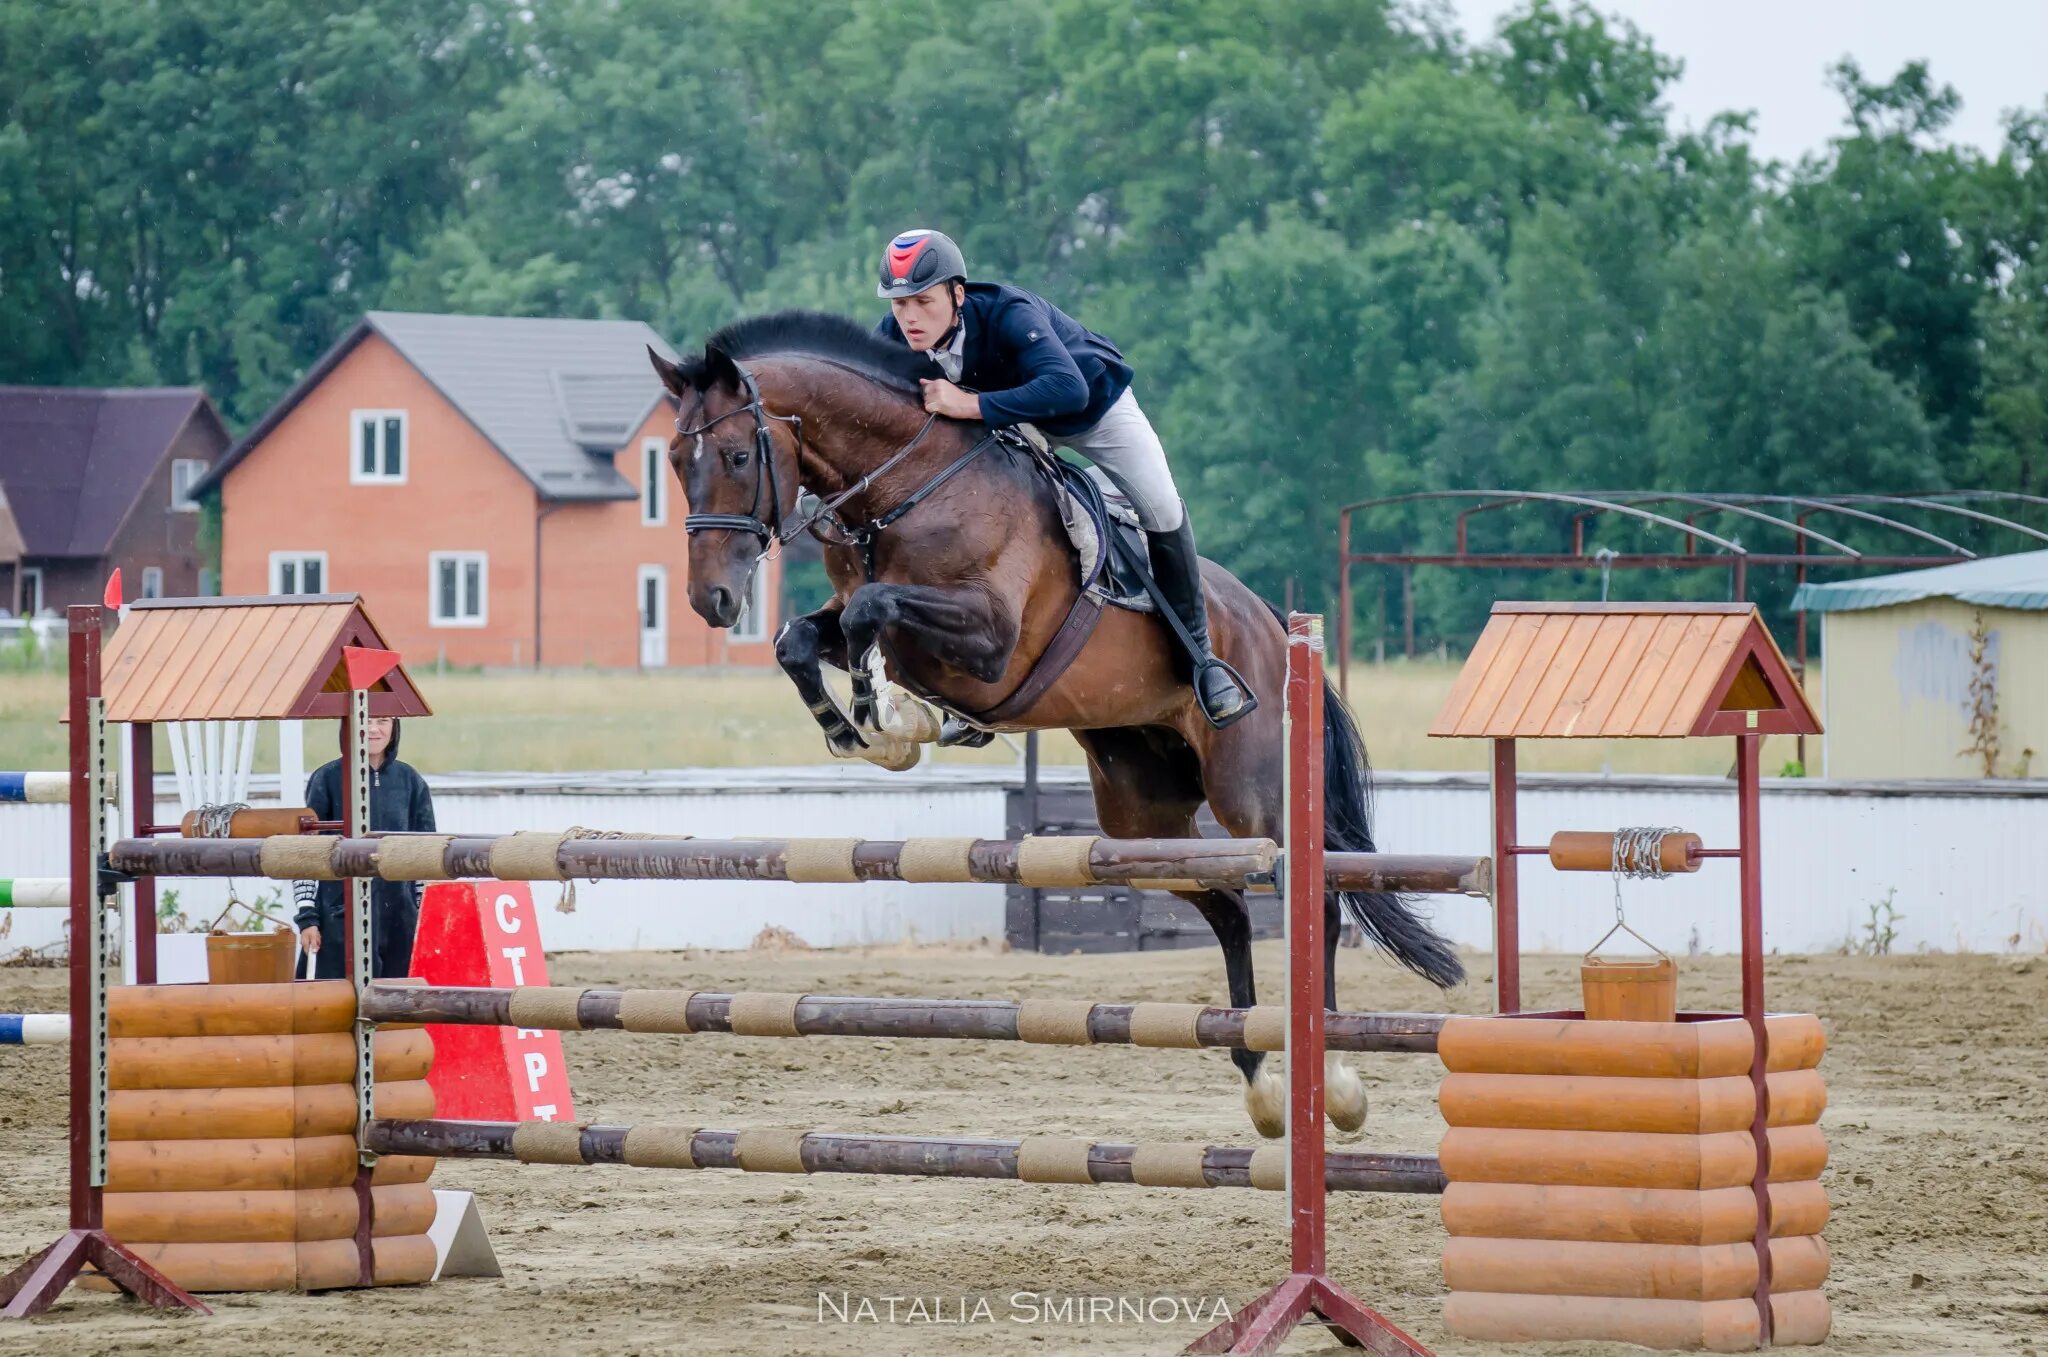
x=1625 y=671
x=268 y=658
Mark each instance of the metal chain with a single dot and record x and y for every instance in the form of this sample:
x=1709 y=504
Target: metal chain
x=217 y=822
x=1638 y=855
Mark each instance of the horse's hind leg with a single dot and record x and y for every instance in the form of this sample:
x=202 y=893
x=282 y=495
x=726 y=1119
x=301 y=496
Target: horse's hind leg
x=1147 y=785
x=1245 y=769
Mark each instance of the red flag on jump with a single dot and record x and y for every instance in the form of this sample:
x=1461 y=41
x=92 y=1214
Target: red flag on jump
x=366 y=666
x=113 y=595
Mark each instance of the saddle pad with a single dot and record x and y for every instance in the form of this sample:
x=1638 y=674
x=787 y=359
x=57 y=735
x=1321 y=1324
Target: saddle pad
x=1091 y=507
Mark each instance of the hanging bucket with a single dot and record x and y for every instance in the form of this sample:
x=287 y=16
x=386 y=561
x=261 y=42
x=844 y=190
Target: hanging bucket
x=250 y=958
x=1630 y=989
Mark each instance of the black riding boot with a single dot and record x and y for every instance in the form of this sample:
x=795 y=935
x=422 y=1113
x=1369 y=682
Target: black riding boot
x=1179 y=573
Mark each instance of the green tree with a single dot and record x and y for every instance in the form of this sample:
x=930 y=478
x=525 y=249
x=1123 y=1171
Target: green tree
x=1872 y=224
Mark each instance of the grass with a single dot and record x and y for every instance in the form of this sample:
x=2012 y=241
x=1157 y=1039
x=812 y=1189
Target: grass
x=587 y=720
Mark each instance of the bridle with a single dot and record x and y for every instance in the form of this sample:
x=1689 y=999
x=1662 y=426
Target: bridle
x=772 y=532
x=768 y=530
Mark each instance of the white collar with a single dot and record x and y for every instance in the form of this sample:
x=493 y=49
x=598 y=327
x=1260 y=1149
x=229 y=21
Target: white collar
x=952 y=358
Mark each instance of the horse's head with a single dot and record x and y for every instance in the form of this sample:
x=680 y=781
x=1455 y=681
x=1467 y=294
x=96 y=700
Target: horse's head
x=738 y=468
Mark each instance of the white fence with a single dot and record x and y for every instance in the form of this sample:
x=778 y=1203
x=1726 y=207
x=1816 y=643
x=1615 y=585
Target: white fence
x=1963 y=866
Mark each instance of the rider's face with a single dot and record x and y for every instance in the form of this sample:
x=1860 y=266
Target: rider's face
x=925 y=318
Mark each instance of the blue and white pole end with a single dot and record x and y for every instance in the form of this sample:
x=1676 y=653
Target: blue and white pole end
x=34 y=1029
x=42 y=788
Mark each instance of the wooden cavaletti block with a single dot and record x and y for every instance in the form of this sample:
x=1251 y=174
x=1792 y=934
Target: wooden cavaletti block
x=231 y=1119
x=1601 y=1181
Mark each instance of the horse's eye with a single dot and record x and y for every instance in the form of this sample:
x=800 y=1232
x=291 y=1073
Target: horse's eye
x=738 y=457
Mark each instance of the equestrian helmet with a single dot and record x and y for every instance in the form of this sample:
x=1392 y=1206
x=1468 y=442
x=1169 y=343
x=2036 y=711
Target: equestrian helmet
x=917 y=260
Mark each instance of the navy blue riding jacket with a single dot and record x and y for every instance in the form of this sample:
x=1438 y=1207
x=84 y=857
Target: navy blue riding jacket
x=1031 y=362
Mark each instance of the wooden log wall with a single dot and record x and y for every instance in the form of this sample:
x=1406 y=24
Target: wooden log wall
x=231 y=1124
x=1600 y=1181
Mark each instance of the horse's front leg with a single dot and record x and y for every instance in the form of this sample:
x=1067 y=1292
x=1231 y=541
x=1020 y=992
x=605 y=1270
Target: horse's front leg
x=803 y=646
x=962 y=626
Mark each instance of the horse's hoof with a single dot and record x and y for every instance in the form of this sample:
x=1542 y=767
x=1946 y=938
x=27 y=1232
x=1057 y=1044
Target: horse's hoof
x=1265 y=1097
x=1343 y=1095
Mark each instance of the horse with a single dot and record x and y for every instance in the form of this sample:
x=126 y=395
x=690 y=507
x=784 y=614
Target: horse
x=947 y=554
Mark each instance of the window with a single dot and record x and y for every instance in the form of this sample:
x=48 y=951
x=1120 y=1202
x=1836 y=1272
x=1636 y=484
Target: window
x=753 y=623
x=653 y=587
x=459 y=582
x=185 y=473
x=209 y=583
x=653 y=482
x=377 y=447
x=31 y=590
x=152 y=581
x=298 y=572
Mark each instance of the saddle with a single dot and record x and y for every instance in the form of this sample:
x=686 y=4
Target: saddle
x=1100 y=522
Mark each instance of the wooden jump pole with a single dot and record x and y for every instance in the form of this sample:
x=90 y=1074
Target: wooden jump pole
x=1161 y=864
x=1052 y=1022
x=1064 y=1160
x=1263 y=1324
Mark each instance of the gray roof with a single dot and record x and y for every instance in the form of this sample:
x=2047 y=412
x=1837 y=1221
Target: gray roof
x=556 y=397
x=2017 y=581
x=74 y=459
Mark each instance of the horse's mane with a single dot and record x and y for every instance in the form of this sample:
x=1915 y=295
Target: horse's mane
x=833 y=339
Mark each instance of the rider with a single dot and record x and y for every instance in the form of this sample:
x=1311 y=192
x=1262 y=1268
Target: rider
x=1010 y=357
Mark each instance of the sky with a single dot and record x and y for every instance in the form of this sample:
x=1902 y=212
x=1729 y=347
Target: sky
x=1771 y=56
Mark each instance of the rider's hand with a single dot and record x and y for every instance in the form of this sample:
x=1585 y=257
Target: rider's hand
x=309 y=939
x=941 y=397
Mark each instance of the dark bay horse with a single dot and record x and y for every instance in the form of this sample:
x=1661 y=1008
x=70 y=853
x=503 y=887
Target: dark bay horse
x=949 y=555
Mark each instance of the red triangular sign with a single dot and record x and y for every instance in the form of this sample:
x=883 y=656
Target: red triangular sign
x=113 y=595
x=366 y=666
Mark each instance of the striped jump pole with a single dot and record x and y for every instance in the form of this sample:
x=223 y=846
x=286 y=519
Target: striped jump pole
x=49 y=789
x=34 y=1029
x=1047 y=860
x=1053 y=1022
x=35 y=892
x=1036 y=1159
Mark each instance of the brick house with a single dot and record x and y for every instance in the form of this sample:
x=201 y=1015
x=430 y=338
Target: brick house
x=497 y=489
x=97 y=479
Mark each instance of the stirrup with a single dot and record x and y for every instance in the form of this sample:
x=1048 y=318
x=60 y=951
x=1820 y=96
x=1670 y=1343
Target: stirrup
x=955 y=733
x=1246 y=708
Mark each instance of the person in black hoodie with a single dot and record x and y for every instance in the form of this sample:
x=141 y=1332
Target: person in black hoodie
x=399 y=800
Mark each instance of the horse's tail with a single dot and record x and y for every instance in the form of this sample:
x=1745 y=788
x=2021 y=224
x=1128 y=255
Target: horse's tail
x=1386 y=917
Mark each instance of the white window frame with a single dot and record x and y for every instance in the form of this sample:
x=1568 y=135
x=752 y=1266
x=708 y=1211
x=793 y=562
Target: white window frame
x=356 y=474
x=278 y=558
x=656 y=575
x=32 y=584
x=653 y=484
x=752 y=625
x=152 y=581
x=482 y=560
x=188 y=470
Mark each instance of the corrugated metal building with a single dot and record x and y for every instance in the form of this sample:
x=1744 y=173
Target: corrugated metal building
x=1910 y=661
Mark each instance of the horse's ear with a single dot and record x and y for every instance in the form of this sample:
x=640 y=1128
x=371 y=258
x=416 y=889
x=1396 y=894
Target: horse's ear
x=678 y=381
x=720 y=370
